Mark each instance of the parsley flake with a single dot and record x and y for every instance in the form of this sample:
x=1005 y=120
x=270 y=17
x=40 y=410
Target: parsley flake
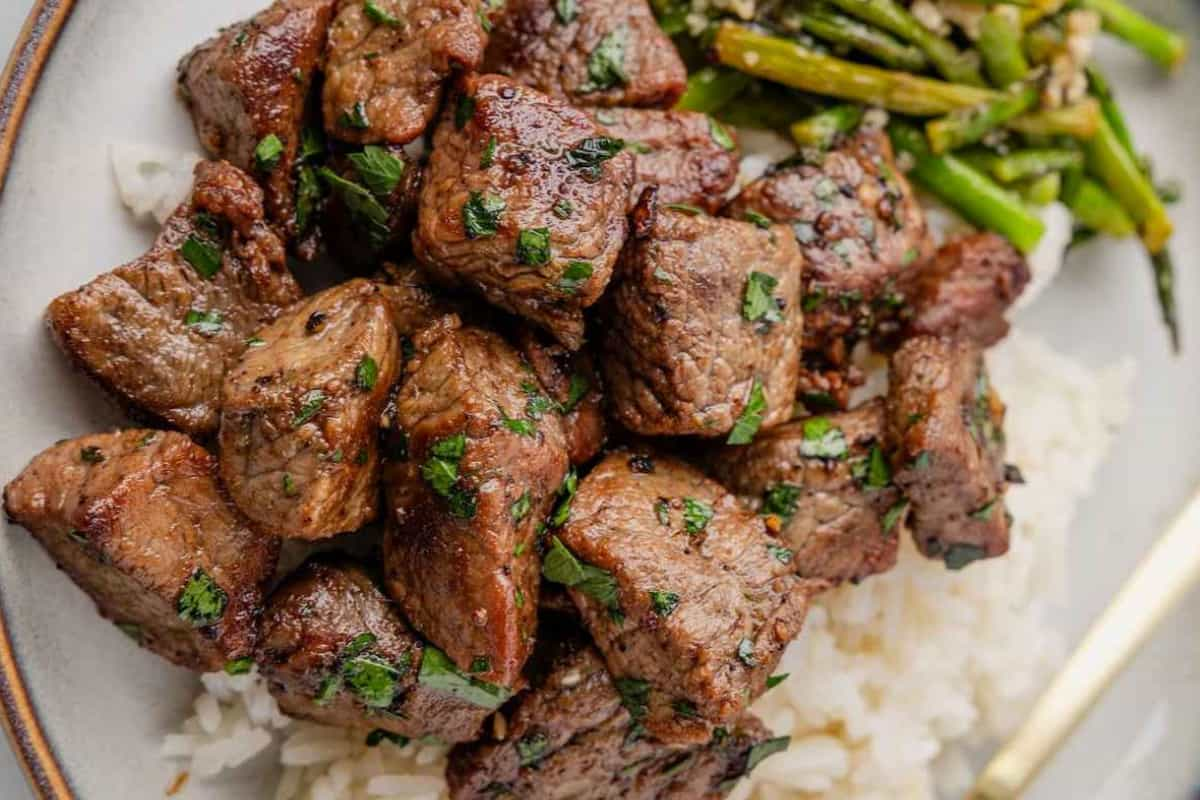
x=747 y=425
x=481 y=215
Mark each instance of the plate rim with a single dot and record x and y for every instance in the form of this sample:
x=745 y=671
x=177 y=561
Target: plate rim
x=19 y=80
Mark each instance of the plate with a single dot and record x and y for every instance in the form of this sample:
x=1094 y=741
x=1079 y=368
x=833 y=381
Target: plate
x=88 y=711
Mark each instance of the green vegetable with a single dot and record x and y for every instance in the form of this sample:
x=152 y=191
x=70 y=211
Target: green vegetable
x=759 y=304
x=464 y=112
x=685 y=708
x=775 y=680
x=894 y=515
x=710 y=89
x=521 y=427
x=879 y=474
x=781 y=554
x=310 y=405
x=308 y=197
x=439 y=673
x=312 y=145
x=480 y=664
x=840 y=30
x=766 y=749
x=563 y=209
x=1021 y=164
x=823 y=129
x=532 y=748
x=481 y=215
x=576 y=391
x=289 y=486
x=371 y=679
x=1001 y=47
x=663 y=602
x=823 y=439
x=782 y=500
x=635 y=696
x=759 y=220
x=696 y=516
x=365 y=210
x=745 y=653
x=720 y=135
x=379 y=169
x=686 y=208
x=566 y=494
x=268 y=152
x=589 y=156
x=202 y=601
x=1161 y=44
x=1096 y=209
x=367 y=374
x=521 y=508
x=747 y=425
x=575 y=275
x=355 y=117
x=239 y=666
x=1116 y=167
x=1100 y=89
x=959 y=556
x=533 y=247
x=441 y=472
x=203 y=254
x=208 y=323
x=1079 y=121
x=561 y=566
x=662 y=510
x=606 y=64
x=489 y=153
x=968 y=125
x=380 y=16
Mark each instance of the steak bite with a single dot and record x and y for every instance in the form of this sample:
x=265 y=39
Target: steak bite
x=571 y=387
x=571 y=738
x=703 y=326
x=825 y=483
x=590 y=53
x=300 y=414
x=138 y=521
x=946 y=437
x=413 y=303
x=336 y=651
x=388 y=61
x=160 y=332
x=966 y=289
x=691 y=158
x=686 y=593
x=483 y=465
x=524 y=202
x=859 y=226
x=248 y=90
x=372 y=205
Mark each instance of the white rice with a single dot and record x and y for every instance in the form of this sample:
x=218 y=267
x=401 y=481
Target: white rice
x=893 y=683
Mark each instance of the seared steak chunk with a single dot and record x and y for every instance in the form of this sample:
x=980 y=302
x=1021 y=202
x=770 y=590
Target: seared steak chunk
x=248 y=92
x=588 y=53
x=691 y=158
x=571 y=738
x=946 y=432
x=336 y=651
x=860 y=228
x=482 y=466
x=300 y=414
x=138 y=521
x=966 y=289
x=372 y=206
x=160 y=332
x=388 y=61
x=572 y=389
x=413 y=303
x=524 y=202
x=704 y=324
x=685 y=592
x=825 y=483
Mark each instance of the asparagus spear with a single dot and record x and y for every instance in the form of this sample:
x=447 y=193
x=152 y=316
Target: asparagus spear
x=1164 y=285
x=968 y=125
x=1101 y=90
x=1119 y=170
x=712 y=88
x=895 y=18
x=1041 y=191
x=842 y=30
x=1164 y=46
x=1079 y=121
x=1022 y=164
x=1000 y=46
x=974 y=195
x=822 y=129
x=1096 y=209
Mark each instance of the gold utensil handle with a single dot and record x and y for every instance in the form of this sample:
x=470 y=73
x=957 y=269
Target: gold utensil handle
x=1165 y=575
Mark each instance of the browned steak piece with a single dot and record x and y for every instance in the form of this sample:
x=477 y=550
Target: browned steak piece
x=703 y=329
x=248 y=91
x=824 y=482
x=691 y=158
x=859 y=225
x=413 y=303
x=946 y=436
x=571 y=738
x=138 y=521
x=965 y=291
x=159 y=332
x=570 y=387
x=524 y=202
x=388 y=61
x=688 y=596
x=480 y=475
x=588 y=52
x=300 y=414
x=372 y=206
x=335 y=650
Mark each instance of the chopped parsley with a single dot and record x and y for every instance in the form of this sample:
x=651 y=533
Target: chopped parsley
x=567 y=11
x=959 y=556
x=775 y=680
x=765 y=749
x=202 y=601
x=696 y=515
x=379 y=15
x=663 y=602
x=894 y=515
x=366 y=211
x=575 y=275
x=780 y=553
x=561 y=566
x=366 y=375
x=439 y=673
x=533 y=246
x=635 y=696
x=289 y=485
x=589 y=155
x=662 y=510
x=566 y=494
x=606 y=64
x=479 y=664
x=823 y=439
x=685 y=709
x=268 y=153
x=239 y=666
x=312 y=144
x=441 y=472
x=379 y=169
x=489 y=154
x=984 y=514
x=521 y=508
x=521 y=427
x=921 y=462
x=580 y=386
x=203 y=254
x=464 y=112
x=91 y=455
x=378 y=737
x=481 y=215
x=355 y=117
x=759 y=303
x=874 y=472
x=720 y=135
x=310 y=406
x=685 y=208
x=747 y=425
x=563 y=209
x=745 y=653
x=308 y=196
x=758 y=219
x=532 y=748
x=782 y=500
x=208 y=323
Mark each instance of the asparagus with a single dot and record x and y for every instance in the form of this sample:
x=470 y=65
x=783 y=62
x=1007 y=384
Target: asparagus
x=974 y=195
x=1079 y=121
x=1120 y=171
x=1164 y=46
x=1096 y=209
x=710 y=89
x=786 y=62
x=1041 y=191
x=955 y=66
x=1022 y=164
x=1164 y=285
x=968 y=125
x=1001 y=49
x=842 y=30
x=1042 y=42
x=1101 y=90
x=822 y=129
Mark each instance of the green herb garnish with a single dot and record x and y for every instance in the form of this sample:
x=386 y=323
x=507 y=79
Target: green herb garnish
x=203 y=254
x=439 y=673
x=606 y=64
x=379 y=169
x=663 y=602
x=481 y=215
x=720 y=135
x=310 y=406
x=823 y=439
x=589 y=155
x=208 y=323
x=759 y=303
x=575 y=275
x=268 y=153
x=747 y=425
x=202 y=601
x=782 y=500
x=533 y=247
x=696 y=515
x=380 y=16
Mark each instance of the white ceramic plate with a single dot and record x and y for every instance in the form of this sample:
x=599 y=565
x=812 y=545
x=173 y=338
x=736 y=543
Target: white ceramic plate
x=102 y=706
